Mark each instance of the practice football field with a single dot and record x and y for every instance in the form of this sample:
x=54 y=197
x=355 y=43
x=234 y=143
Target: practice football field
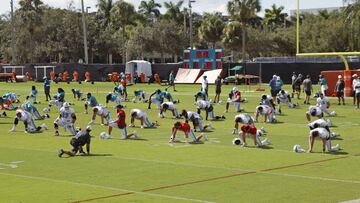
x=153 y=170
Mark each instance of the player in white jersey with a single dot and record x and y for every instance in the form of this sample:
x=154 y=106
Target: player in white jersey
x=322 y=123
x=267 y=112
x=284 y=97
x=324 y=104
x=66 y=119
x=168 y=106
x=29 y=122
x=325 y=136
x=103 y=112
x=142 y=116
x=209 y=109
x=243 y=118
x=267 y=100
x=314 y=111
x=196 y=120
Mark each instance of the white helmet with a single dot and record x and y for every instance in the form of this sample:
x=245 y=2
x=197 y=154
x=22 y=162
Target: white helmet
x=66 y=105
x=236 y=141
x=235 y=89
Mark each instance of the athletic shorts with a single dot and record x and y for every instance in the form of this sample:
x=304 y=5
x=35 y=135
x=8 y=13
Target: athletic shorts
x=340 y=94
x=297 y=88
x=274 y=93
x=358 y=95
x=308 y=92
x=75 y=146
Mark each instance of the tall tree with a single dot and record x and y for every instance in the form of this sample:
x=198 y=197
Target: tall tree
x=274 y=16
x=150 y=8
x=211 y=28
x=352 y=19
x=243 y=11
x=173 y=11
x=104 y=11
x=124 y=14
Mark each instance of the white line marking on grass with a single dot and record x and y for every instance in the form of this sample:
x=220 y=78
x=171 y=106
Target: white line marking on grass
x=104 y=187
x=352 y=201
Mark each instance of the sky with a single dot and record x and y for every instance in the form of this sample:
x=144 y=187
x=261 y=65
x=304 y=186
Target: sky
x=200 y=6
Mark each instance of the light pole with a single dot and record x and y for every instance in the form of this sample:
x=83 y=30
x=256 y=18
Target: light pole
x=84 y=33
x=13 y=60
x=190 y=23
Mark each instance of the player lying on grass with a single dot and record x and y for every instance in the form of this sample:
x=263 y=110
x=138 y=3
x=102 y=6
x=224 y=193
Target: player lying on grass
x=314 y=111
x=156 y=97
x=267 y=112
x=242 y=118
x=77 y=94
x=201 y=95
x=325 y=136
x=66 y=119
x=81 y=139
x=58 y=99
x=185 y=127
x=29 y=122
x=27 y=106
x=101 y=111
x=168 y=106
x=209 y=110
x=284 y=97
x=249 y=130
x=140 y=95
x=12 y=97
x=90 y=102
x=234 y=99
x=7 y=101
x=113 y=97
x=324 y=104
x=322 y=123
x=33 y=94
x=142 y=116
x=196 y=120
x=121 y=124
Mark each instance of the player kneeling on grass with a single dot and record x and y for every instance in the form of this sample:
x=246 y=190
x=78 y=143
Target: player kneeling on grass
x=33 y=94
x=202 y=95
x=196 y=119
x=185 y=127
x=209 y=109
x=29 y=122
x=234 y=99
x=27 y=106
x=158 y=99
x=77 y=142
x=324 y=104
x=284 y=97
x=139 y=96
x=314 y=111
x=90 y=101
x=121 y=124
x=249 y=130
x=322 y=123
x=267 y=112
x=77 y=94
x=66 y=119
x=58 y=99
x=325 y=136
x=243 y=118
x=142 y=116
x=168 y=106
x=103 y=113
x=114 y=98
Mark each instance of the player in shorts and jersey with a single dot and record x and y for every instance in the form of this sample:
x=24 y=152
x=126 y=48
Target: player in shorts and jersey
x=284 y=97
x=314 y=111
x=209 y=109
x=234 y=99
x=121 y=124
x=267 y=112
x=157 y=97
x=322 y=123
x=27 y=106
x=168 y=106
x=113 y=97
x=202 y=95
x=185 y=127
x=103 y=112
x=324 y=104
x=268 y=101
x=58 y=99
x=243 y=118
x=66 y=119
x=249 y=130
x=81 y=139
x=196 y=119
x=90 y=101
x=29 y=122
x=77 y=94
x=142 y=116
x=140 y=95
x=119 y=90
x=325 y=136
x=33 y=94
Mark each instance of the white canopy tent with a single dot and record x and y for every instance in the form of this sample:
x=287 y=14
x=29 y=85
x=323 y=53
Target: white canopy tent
x=139 y=66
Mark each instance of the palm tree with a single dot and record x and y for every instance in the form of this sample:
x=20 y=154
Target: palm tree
x=123 y=13
x=173 y=11
x=104 y=11
x=274 y=16
x=211 y=28
x=352 y=18
x=150 y=8
x=243 y=11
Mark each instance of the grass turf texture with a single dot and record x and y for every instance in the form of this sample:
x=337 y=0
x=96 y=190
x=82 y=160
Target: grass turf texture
x=152 y=170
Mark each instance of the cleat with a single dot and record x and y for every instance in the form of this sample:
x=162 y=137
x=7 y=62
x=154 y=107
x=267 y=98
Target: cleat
x=4 y=114
x=223 y=117
x=61 y=152
x=57 y=134
x=12 y=130
x=43 y=126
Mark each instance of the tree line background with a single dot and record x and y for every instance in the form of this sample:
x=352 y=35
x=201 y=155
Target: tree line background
x=119 y=32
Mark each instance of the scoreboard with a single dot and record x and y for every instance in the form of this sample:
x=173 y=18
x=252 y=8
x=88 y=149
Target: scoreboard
x=208 y=59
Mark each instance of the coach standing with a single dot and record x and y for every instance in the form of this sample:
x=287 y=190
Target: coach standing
x=47 y=88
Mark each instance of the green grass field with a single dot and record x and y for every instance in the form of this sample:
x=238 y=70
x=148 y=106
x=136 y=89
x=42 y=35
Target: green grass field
x=152 y=170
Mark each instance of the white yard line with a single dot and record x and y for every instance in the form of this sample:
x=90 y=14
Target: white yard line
x=102 y=187
x=352 y=201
